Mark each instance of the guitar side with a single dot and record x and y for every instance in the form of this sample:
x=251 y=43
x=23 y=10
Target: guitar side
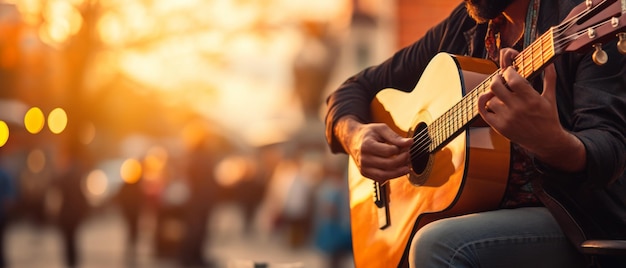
x=467 y=175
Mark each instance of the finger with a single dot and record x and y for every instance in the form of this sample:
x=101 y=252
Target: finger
x=507 y=55
x=379 y=142
x=386 y=163
x=485 y=112
x=549 y=83
x=482 y=101
x=393 y=138
x=499 y=89
x=382 y=175
x=380 y=148
x=384 y=168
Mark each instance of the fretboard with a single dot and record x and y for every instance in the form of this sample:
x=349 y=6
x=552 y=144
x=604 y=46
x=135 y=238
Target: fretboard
x=528 y=63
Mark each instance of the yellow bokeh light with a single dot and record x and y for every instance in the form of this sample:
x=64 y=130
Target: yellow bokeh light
x=36 y=161
x=4 y=133
x=131 y=171
x=34 y=120
x=57 y=120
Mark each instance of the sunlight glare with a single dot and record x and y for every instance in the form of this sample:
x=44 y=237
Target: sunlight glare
x=57 y=120
x=168 y=5
x=62 y=21
x=4 y=133
x=229 y=15
x=110 y=29
x=30 y=10
x=136 y=21
x=34 y=120
x=319 y=10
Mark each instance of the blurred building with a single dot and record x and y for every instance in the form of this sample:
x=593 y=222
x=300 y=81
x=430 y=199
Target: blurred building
x=133 y=76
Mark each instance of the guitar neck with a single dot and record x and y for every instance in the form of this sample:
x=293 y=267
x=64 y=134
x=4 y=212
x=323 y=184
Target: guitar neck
x=528 y=63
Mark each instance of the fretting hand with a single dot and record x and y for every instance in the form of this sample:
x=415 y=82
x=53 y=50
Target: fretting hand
x=517 y=111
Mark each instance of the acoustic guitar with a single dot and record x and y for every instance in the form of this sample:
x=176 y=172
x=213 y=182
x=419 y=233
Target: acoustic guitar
x=458 y=166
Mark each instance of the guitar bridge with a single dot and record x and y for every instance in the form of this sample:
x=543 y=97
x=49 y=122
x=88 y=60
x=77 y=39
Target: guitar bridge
x=381 y=200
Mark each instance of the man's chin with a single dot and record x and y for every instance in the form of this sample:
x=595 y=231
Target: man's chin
x=484 y=10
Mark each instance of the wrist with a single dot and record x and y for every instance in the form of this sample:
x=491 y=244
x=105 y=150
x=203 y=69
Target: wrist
x=344 y=129
x=565 y=153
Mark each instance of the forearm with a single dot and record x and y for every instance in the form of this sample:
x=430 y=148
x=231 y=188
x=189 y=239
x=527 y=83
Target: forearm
x=344 y=130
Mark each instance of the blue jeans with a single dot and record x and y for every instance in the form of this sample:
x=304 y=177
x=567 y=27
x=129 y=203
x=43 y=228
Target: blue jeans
x=522 y=237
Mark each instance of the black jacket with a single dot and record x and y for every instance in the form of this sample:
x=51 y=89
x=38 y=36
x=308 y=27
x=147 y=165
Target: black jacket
x=591 y=102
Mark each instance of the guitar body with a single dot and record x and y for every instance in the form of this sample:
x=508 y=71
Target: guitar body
x=468 y=174
x=457 y=166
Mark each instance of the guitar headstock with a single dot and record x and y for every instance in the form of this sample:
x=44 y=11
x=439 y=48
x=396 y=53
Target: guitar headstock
x=589 y=25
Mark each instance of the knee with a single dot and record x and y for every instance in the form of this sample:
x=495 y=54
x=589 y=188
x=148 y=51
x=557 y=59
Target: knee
x=437 y=245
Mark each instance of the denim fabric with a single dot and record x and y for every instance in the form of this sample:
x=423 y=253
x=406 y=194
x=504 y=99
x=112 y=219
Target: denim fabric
x=487 y=240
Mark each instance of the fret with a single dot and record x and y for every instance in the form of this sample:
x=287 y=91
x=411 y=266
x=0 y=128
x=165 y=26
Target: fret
x=533 y=56
x=432 y=132
x=529 y=61
x=543 y=51
x=521 y=64
x=455 y=120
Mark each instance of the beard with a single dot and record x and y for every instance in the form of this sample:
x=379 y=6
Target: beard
x=484 y=10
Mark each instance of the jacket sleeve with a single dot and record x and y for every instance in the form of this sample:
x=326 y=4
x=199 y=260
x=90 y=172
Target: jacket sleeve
x=593 y=108
x=401 y=71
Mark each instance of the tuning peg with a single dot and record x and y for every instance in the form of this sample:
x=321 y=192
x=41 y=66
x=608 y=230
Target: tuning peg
x=621 y=44
x=599 y=56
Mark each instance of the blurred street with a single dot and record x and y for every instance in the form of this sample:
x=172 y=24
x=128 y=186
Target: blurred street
x=102 y=244
x=192 y=128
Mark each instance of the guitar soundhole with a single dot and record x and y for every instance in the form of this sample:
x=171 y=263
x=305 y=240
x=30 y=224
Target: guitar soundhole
x=420 y=153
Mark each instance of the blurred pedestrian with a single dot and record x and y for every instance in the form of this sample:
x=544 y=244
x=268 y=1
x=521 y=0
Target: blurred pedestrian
x=7 y=199
x=332 y=235
x=74 y=205
x=130 y=200
x=202 y=197
x=297 y=213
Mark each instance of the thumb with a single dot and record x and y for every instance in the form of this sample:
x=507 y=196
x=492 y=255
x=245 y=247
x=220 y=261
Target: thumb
x=549 y=83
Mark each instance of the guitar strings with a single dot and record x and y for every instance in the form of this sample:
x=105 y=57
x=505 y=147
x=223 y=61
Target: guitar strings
x=424 y=140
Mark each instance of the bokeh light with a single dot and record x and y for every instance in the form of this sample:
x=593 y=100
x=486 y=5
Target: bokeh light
x=130 y=171
x=34 y=120
x=154 y=163
x=57 y=120
x=62 y=20
x=231 y=170
x=96 y=185
x=36 y=161
x=4 y=133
